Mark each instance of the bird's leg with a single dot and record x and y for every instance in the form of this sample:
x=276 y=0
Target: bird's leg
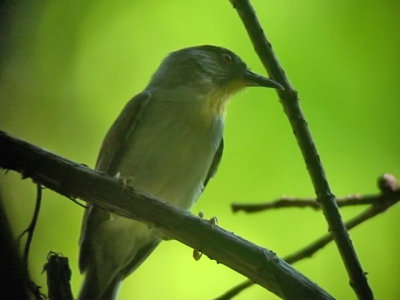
x=124 y=180
x=213 y=221
x=196 y=253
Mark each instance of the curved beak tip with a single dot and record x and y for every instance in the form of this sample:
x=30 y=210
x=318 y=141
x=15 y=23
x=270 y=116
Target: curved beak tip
x=253 y=79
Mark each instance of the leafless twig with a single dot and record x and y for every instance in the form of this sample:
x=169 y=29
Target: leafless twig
x=389 y=196
x=31 y=228
x=285 y=202
x=35 y=289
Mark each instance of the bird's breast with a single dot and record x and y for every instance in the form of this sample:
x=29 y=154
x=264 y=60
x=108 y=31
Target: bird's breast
x=171 y=150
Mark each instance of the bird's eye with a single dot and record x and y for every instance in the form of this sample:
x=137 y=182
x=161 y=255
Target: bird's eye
x=227 y=58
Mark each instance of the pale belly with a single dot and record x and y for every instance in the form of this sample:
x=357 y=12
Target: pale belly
x=170 y=157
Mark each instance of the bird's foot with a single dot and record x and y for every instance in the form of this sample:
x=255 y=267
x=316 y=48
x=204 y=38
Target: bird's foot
x=197 y=254
x=213 y=221
x=125 y=181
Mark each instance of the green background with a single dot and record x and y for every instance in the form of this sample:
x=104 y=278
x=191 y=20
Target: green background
x=70 y=66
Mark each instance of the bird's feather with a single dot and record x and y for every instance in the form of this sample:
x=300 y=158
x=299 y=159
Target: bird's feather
x=113 y=145
x=215 y=163
x=108 y=160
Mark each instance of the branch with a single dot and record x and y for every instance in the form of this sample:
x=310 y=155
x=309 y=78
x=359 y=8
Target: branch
x=290 y=102
x=31 y=228
x=236 y=290
x=387 y=183
x=70 y=179
x=58 y=277
x=390 y=195
x=380 y=203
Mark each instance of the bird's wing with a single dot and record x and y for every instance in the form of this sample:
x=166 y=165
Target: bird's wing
x=123 y=127
x=215 y=163
x=108 y=162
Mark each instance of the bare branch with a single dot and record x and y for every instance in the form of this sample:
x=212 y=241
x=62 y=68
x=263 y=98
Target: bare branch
x=75 y=180
x=282 y=202
x=285 y=202
x=31 y=228
x=236 y=290
x=380 y=203
x=58 y=277
x=384 y=201
x=290 y=102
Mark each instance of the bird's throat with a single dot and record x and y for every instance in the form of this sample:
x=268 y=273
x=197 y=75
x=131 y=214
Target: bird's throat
x=215 y=102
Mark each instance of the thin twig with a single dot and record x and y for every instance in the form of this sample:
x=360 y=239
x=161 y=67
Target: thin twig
x=384 y=201
x=35 y=289
x=73 y=199
x=31 y=228
x=285 y=202
x=235 y=290
x=381 y=203
x=290 y=102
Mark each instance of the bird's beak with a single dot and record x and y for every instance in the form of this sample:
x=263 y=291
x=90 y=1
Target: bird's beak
x=253 y=79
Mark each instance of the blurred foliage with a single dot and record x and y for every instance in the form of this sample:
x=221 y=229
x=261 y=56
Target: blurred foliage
x=68 y=67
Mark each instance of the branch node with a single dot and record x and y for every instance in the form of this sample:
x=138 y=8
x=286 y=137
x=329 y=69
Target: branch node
x=388 y=183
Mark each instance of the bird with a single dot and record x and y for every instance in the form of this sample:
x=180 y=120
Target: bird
x=168 y=142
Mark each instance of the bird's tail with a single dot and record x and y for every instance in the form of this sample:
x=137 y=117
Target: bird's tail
x=93 y=290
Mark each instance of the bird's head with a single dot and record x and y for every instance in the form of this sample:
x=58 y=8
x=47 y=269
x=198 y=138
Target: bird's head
x=212 y=73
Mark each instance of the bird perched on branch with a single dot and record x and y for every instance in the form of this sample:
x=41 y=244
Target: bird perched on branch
x=167 y=141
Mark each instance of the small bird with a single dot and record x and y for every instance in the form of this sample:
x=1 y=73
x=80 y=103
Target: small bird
x=168 y=142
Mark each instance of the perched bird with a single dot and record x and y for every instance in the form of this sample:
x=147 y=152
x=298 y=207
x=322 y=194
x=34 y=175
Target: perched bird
x=167 y=141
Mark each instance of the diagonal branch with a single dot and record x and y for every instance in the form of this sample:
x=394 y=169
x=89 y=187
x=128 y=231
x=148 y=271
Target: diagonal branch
x=70 y=179
x=380 y=203
x=290 y=102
